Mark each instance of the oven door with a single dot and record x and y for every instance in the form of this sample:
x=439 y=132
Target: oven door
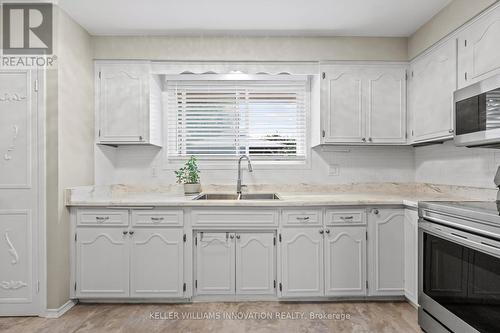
x=459 y=278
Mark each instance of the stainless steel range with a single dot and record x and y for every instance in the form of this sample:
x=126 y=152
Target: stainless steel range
x=459 y=267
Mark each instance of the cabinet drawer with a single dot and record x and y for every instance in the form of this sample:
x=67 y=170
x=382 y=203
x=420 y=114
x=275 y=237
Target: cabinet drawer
x=301 y=217
x=345 y=216
x=151 y=218
x=102 y=217
x=258 y=217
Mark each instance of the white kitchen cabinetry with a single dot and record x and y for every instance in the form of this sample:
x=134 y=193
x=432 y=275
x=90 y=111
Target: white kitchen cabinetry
x=411 y=255
x=128 y=104
x=215 y=263
x=302 y=262
x=363 y=104
x=386 y=249
x=102 y=262
x=255 y=263
x=156 y=262
x=433 y=79
x=241 y=263
x=479 y=50
x=345 y=261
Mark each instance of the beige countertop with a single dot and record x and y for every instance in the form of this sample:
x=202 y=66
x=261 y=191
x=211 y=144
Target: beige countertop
x=300 y=195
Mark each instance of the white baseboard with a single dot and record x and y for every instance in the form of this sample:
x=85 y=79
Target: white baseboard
x=56 y=313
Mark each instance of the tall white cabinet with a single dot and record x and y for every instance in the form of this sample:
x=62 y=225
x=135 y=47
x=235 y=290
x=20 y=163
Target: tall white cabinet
x=433 y=80
x=363 y=104
x=128 y=103
x=411 y=255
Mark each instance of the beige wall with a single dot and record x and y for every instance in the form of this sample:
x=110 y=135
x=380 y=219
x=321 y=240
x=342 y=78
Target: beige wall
x=450 y=18
x=70 y=154
x=250 y=48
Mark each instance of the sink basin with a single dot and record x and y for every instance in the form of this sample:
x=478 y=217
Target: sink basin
x=259 y=196
x=216 y=196
x=246 y=196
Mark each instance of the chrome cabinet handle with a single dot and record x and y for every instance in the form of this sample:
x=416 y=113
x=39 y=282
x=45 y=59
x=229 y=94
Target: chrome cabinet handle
x=363 y=139
x=451 y=131
x=322 y=231
x=327 y=231
x=238 y=236
x=156 y=219
x=125 y=232
x=231 y=236
x=131 y=232
x=305 y=218
x=370 y=139
x=375 y=211
x=344 y=218
x=102 y=218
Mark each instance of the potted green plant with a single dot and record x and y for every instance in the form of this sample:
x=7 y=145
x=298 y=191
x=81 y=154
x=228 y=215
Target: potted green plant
x=189 y=175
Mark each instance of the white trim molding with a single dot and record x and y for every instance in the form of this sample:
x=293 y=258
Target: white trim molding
x=56 y=313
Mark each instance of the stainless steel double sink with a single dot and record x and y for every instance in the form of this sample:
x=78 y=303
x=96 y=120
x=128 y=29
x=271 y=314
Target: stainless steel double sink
x=235 y=196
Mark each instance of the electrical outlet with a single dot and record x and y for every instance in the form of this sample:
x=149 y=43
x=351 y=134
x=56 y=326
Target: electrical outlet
x=334 y=170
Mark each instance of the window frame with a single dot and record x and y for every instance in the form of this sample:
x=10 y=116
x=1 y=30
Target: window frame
x=221 y=162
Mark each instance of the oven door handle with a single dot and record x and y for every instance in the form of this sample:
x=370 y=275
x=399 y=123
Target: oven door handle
x=460 y=237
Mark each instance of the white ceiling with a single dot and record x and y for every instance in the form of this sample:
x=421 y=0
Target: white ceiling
x=253 y=17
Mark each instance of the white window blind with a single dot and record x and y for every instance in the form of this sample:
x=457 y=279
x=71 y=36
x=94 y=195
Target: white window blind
x=265 y=119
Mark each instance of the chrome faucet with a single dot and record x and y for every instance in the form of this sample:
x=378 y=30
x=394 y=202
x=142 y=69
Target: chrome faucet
x=250 y=169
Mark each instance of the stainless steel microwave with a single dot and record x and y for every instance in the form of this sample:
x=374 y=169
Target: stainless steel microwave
x=477 y=114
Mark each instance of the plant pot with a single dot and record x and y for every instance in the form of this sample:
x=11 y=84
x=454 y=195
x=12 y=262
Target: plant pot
x=192 y=188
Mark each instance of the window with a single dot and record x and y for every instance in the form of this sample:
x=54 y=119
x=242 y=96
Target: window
x=222 y=118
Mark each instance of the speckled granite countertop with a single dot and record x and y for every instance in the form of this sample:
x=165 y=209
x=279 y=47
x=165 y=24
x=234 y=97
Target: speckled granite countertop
x=300 y=195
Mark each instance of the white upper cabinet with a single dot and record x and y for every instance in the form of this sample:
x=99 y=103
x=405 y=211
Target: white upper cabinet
x=479 y=49
x=128 y=104
x=433 y=80
x=386 y=249
x=363 y=104
x=345 y=261
x=302 y=262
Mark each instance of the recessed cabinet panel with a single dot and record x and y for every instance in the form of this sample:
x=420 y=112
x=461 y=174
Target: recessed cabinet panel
x=255 y=263
x=102 y=257
x=345 y=261
x=215 y=263
x=433 y=80
x=342 y=103
x=386 y=249
x=302 y=262
x=387 y=106
x=479 y=50
x=411 y=255
x=156 y=261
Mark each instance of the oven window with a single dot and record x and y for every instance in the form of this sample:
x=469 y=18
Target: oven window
x=464 y=281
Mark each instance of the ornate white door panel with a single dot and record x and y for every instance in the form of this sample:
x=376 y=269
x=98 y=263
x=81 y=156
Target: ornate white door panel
x=18 y=194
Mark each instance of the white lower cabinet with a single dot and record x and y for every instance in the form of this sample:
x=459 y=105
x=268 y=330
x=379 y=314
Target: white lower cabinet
x=345 y=261
x=411 y=255
x=102 y=262
x=302 y=262
x=229 y=263
x=156 y=263
x=215 y=263
x=386 y=249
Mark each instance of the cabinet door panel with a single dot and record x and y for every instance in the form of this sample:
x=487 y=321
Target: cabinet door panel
x=345 y=261
x=479 y=50
x=215 y=264
x=157 y=263
x=342 y=100
x=123 y=102
x=255 y=258
x=102 y=263
x=432 y=83
x=302 y=262
x=411 y=255
x=387 y=105
x=386 y=264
